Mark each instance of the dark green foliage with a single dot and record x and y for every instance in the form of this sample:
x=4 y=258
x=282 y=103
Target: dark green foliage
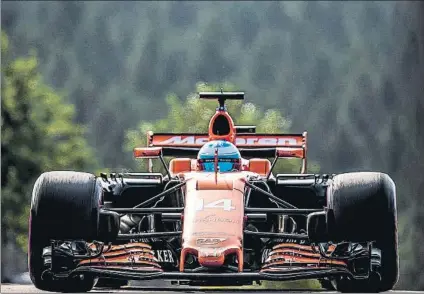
x=347 y=72
x=38 y=134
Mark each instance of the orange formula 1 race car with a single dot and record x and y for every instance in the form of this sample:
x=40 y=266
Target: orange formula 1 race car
x=216 y=216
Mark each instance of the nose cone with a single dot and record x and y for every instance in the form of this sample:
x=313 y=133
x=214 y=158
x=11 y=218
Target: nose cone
x=213 y=219
x=211 y=257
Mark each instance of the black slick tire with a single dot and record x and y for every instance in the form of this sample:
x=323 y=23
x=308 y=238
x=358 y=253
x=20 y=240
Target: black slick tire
x=362 y=207
x=64 y=205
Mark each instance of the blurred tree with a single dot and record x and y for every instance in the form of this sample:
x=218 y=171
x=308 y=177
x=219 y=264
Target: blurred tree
x=38 y=134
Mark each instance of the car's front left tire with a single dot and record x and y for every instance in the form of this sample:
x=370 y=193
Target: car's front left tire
x=64 y=205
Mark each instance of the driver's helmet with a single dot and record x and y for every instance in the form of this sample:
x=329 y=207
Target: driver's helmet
x=229 y=158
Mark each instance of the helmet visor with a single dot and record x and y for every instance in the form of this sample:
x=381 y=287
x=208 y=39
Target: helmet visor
x=224 y=165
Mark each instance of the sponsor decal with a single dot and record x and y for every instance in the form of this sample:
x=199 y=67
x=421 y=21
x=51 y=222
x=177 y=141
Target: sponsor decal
x=209 y=241
x=212 y=233
x=288 y=240
x=164 y=256
x=240 y=140
x=213 y=218
x=180 y=140
x=267 y=141
x=224 y=204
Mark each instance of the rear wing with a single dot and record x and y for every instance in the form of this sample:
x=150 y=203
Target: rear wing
x=259 y=145
x=249 y=145
x=245 y=129
x=222 y=96
x=243 y=140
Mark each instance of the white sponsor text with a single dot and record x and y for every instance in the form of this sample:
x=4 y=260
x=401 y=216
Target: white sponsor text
x=195 y=140
x=164 y=256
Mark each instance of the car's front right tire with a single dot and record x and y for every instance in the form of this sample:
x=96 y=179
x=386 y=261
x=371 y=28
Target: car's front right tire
x=363 y=208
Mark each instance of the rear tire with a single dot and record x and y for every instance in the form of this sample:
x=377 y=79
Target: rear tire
x=64 y=205
x=363 y=208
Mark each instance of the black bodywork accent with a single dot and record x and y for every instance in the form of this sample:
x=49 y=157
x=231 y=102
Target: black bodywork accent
x=293 y=274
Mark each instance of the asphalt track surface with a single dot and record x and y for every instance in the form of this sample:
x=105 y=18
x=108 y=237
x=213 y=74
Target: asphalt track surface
x=17 y=288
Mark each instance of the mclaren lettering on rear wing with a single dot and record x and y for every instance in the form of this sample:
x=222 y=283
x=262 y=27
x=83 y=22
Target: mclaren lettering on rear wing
x=250 y=145
x=241 y=141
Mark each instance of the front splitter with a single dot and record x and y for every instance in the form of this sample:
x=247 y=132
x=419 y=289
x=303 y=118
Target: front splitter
x=134 y=274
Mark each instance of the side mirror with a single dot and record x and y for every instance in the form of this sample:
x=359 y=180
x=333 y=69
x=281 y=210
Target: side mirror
x=148 y=152
x=290 y=152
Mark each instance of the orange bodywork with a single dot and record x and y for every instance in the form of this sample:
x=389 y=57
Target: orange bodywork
x=255 y=165
x=259 y=166
x=289 y=255
x=295 y=152
x=231 y=136
x=213 y=218
x=151 y=152
x=133 y=255
x=242 y=140
x=180 y=165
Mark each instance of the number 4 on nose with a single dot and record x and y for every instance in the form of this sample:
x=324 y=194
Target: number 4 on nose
x=224 y=204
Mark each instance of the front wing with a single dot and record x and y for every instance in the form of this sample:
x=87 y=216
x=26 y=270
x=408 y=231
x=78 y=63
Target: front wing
x=136 y=261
